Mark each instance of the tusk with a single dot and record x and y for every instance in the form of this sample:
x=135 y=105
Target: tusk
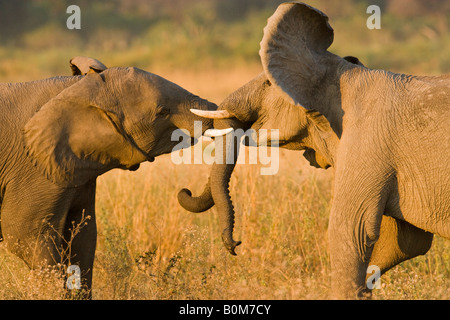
x=217 y=114
x=217 y=132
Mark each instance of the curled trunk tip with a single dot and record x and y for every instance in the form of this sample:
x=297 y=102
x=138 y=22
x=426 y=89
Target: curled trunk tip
x=229 y=243
x=196 y=204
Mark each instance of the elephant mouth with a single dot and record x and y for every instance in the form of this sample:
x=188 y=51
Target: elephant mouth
x=315 y=159
x=134 y=168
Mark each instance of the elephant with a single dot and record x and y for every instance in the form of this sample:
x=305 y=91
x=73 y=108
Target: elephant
x=379 y=130
x=390 y=126
x=299 y=129
x=81 y=65
x=59 y=134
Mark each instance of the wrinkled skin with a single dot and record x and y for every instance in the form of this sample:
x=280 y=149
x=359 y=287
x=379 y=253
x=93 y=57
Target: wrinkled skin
x=300 y=130
x=59 y=135
x=393 y=153
x=384 y=240
x=257 y=106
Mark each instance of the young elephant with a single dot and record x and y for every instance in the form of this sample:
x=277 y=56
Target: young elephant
x=394 y=144
x=59 y=134
x=257 y=105
x=389 y=126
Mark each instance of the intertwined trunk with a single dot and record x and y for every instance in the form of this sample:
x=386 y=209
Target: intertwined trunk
x=216 y=191
x=196 y=204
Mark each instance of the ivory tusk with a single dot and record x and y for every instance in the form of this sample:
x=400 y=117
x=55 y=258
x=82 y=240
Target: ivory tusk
x=217 y=114
x=217 y=132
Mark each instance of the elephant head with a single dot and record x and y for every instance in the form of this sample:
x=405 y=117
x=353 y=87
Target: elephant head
x=83 y=65
x=115 y=119
x=257 y=106
x=263 y=103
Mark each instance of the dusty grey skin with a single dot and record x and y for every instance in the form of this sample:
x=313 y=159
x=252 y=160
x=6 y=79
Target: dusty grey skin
x=83 y=65
x=300 y=130
x=389 y=127
x=394 y=145
x=59 y=134
x=257 y=106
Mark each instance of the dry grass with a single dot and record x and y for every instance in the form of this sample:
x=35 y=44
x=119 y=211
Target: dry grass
x=157 y=250
x=151 y=248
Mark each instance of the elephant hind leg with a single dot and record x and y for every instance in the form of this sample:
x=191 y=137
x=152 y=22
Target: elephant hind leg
x=399 y=241
x=80 y=233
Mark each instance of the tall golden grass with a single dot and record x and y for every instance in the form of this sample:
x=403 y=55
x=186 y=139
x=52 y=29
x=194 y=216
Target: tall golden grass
x=151 y=248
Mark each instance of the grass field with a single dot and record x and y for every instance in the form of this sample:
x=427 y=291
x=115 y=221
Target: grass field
x=148 y=246
x=151 y=248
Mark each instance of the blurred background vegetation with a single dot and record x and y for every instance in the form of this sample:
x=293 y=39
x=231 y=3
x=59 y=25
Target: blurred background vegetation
x=209 y=34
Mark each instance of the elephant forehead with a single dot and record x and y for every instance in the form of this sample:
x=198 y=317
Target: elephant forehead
x=153 y=84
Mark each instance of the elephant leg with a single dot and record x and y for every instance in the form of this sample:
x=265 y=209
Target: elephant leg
x=80 y=234
x=354 y=228
x=398 y=241
x=33 y=213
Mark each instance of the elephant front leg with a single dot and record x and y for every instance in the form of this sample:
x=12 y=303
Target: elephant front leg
x=353 y=231
x=37 y=226
x=31 y=215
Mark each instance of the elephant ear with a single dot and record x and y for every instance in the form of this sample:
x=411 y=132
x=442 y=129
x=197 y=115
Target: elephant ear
x=74 y=137
x=83 y=65
x=354 y=60
x=293 y=48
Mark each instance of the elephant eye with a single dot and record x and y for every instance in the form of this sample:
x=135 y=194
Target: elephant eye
x=162 y=110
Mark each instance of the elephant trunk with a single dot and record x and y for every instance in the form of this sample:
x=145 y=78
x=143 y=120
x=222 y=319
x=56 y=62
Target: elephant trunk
x=216 y=191
x=196 y=204
x=221 y=172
